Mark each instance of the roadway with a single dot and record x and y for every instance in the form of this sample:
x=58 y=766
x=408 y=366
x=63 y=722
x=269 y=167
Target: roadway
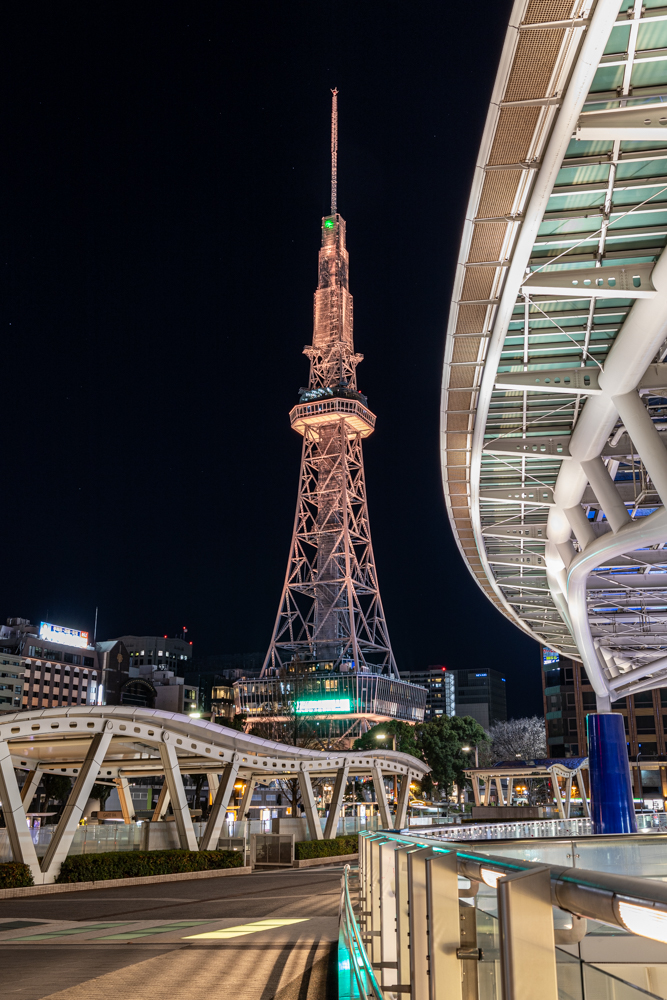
x=264 y=936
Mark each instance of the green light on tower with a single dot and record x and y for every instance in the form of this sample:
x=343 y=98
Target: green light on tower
x=329 y=224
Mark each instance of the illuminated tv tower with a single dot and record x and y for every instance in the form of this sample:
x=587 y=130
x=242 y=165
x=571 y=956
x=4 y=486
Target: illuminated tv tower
x=330 y=615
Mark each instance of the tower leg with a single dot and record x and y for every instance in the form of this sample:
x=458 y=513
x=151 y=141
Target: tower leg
x=612 y=804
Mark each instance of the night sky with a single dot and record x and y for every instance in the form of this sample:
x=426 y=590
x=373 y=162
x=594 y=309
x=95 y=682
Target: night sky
x=165 y=169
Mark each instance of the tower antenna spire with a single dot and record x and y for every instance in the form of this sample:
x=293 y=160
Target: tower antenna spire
x=334 y=150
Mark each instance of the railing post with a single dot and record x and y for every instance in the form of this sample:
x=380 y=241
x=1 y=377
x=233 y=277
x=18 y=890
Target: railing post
x=527 y=942
x=374 y=948
x=419 y=970
x=388 y=957
x=402 y=917
x=444 y=931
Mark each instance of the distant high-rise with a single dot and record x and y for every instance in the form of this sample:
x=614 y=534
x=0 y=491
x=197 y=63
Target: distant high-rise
x=330 y=633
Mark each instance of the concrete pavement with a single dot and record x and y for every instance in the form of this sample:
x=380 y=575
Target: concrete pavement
x=266 y=936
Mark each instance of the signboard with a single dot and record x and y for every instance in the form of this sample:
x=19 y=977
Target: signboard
x=323 y=705
x=549 y=657
x=67 y=636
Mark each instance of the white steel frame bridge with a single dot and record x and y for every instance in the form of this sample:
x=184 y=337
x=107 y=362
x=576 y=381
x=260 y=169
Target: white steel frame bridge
x=117 y=743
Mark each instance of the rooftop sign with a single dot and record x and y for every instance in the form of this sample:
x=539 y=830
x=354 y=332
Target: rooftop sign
x=67 y=636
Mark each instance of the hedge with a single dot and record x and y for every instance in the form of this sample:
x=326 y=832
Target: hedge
x=134 y=864
x=305 y=849
x=14 y=875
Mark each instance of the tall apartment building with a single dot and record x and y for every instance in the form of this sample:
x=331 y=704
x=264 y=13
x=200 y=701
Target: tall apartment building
x=480 y=693
x=569 y=698
x=439 y=683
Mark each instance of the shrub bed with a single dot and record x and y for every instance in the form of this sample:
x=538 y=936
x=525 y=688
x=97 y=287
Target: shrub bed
x=14 y=875
x=134 y=864
x=305 y=849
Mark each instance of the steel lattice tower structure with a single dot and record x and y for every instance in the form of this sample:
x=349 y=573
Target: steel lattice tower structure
x=330 y=615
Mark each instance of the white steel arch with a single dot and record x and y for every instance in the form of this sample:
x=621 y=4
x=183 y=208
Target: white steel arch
x=93 y=743
x=554 y=388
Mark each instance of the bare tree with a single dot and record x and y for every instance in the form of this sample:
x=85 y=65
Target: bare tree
x=522 y=739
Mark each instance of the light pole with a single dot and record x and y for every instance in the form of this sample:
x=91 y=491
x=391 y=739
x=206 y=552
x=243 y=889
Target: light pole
x=469 y=749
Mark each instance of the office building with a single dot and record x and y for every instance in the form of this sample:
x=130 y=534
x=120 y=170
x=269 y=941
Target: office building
x=158 y=651
x=569 y=698
x=223 y=707
x=481 y=695
x=440 y=689
x=151 y=686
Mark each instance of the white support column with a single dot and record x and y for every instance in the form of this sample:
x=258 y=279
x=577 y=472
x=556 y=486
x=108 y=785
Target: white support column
x=381 y=796
x=340 y=785
x=556 y=790
x=475 y=790
x=444 y=927
x=499 y=789
x=29 y=787
x=125 y=799
x=179 y=802
x=510 y=790
x=20 y=840
x=211 y=836
x=162 y=803
x=608 y=496
x=403 y=802
x=64 y=832
x=247 y=797
x=487 y=791
x=582 y=792
x=213 y=785
x=568 y=796
x=308 y=802
x=645 y=438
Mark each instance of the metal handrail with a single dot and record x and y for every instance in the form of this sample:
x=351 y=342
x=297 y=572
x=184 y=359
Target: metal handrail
x=349 y=923
x=587 y=893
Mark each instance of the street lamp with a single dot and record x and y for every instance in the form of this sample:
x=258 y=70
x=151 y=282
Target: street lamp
x=468 y=750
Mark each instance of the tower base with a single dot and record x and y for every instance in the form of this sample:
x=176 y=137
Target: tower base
x=612 y=804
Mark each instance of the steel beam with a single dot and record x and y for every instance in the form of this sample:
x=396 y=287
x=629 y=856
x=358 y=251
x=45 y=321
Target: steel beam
x=162 y=803
x=29 y=787
x=308 y=802
x=403 y=802
x=66 y=828
x=20 y=840
x=336 y=802
x=211 y=835
x=179 y=802
x=125 y=799
x=381 y=796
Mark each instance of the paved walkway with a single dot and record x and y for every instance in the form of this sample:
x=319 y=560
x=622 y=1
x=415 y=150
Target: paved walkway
x=265 y=936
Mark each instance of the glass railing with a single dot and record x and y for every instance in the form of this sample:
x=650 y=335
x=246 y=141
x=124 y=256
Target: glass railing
x=491 y=913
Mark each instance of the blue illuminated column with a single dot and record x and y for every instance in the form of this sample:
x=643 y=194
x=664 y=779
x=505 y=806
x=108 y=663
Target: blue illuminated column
x=612 y=805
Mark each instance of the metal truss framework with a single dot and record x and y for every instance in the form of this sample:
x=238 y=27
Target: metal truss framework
x=554 y=390
x=118 y=743
x=331 y=607
x=330 y=610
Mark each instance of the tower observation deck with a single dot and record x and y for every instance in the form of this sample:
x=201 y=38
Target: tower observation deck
x=330 y=653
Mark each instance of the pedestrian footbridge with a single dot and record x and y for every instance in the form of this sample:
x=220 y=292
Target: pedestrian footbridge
x=119 y=743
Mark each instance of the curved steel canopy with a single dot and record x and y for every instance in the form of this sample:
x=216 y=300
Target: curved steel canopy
x=118 y=742
x=554 y=387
